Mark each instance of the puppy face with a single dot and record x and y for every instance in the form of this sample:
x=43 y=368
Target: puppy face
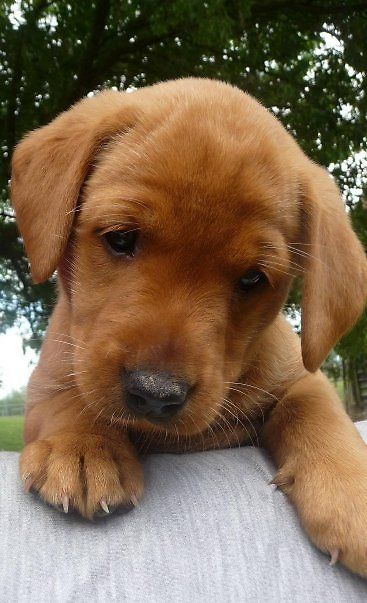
x=187 y=234
x=203 y=267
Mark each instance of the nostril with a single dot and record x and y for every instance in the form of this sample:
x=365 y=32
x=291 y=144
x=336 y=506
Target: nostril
x=136 y=402
x=154 y=394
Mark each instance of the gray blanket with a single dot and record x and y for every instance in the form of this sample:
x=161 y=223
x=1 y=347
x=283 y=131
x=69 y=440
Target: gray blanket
x=209 y=528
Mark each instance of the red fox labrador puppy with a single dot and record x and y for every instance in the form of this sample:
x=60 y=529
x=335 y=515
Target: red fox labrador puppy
x=176 y=218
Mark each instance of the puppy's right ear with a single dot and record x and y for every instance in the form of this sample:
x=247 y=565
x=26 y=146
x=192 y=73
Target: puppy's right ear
x=334 y=291
x=49 y=167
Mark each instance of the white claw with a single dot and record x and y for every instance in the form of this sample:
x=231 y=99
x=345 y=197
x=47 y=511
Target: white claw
x=134 y=500
x=27 y=484
x=104 y=505
x=334 y=555
x=65 y=503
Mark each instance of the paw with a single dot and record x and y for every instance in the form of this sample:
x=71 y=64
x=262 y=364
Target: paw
x=333 y=511
x=85 y=472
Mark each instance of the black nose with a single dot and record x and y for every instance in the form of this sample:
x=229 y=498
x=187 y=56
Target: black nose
x=155 y=396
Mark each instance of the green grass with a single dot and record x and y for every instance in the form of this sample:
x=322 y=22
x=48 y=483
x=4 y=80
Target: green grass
x=11 y=433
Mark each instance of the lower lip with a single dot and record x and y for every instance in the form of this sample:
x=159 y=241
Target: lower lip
x=154 y=420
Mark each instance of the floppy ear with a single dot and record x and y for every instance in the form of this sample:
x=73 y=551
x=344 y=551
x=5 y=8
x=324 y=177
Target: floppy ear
x=335 y=280
x=49 y=167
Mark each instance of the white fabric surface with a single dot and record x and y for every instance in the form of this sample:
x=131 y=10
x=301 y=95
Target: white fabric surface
x=209 y=529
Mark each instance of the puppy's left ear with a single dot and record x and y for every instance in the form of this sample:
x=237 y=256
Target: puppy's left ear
x=335 y=279
x=49 y=168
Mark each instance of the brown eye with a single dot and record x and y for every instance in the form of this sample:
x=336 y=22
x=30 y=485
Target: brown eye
x=120 y=242
x=251 y=279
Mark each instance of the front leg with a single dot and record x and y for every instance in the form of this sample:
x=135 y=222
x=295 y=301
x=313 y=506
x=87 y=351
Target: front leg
x=322 y=464
x=74 y=462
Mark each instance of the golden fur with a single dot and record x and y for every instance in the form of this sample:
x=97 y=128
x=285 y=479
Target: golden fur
x=215 y=186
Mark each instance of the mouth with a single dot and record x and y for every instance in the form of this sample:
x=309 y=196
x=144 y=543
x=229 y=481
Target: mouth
x=164 y=417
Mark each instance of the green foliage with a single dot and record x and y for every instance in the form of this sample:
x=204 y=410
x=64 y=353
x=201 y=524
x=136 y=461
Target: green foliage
x=333 y=367
x=353 y=346
x=52 y=53
x=11 y=433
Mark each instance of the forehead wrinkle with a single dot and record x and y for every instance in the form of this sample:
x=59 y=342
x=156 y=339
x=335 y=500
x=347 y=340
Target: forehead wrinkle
x=177 y=149
x=251 y=242
x=103 y=202
x=192 y=182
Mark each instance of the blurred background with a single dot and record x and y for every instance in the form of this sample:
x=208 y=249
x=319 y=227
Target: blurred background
x=305 y=60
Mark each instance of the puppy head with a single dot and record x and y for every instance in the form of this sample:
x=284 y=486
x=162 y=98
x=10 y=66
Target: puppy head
x=195 y=210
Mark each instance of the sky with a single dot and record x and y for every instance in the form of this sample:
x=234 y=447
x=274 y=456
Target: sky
x=15 y=366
